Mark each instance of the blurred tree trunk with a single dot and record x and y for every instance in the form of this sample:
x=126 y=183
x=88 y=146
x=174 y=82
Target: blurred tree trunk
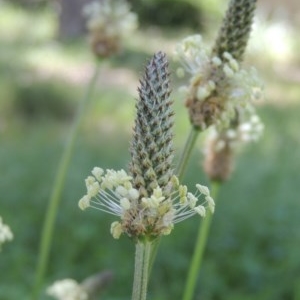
x=71 y=20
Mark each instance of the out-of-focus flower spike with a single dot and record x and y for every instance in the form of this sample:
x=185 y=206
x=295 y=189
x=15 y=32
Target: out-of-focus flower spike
x=235 y=30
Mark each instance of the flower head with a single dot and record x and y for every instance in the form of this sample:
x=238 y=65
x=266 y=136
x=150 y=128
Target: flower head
x=218 y=86
x=150 y=216
x=70 y=289
x=219 y=83
x=5 y=233
x=67 y=289
x=149 y=199
x=108 y=23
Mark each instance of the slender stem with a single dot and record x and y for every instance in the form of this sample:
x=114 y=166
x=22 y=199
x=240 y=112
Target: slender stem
x=201 y=241
x=141 y=270
x=181 y=167
x=189 y=145
x=53 y=204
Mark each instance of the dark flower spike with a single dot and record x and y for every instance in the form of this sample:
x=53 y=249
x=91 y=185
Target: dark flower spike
x=152 y=143
x=149 y=200
x=235 y=30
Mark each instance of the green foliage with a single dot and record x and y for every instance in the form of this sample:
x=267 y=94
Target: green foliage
x=168 y=13
x=43 y=99
x=30 y=4
x=253 y=240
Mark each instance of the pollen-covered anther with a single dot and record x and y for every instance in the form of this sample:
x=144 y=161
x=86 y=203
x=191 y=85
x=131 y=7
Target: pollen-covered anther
x=228 y=71
x=122 y=191
x=133 y=194
x=157 y=194
x=192 y=200
x=97 y=172
x=182 y=192
x=125 y=203
x=155 y=200
x=175 y=181
x=89 y=181
x=203 y=189
x=216 y=61
x=202 y=92
x=116 y=229
x=84 y=202
x=93 y=189
x=200 y=209
x=211 y=203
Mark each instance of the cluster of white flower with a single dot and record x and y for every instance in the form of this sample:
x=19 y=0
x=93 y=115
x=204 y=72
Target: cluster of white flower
x=5 y=233
x=67 y=289
x=108 y=22
x=113 y=18
x=247 y=131
x=251 y=130
x=193 y=55
x=221 y=77
x=112 y=192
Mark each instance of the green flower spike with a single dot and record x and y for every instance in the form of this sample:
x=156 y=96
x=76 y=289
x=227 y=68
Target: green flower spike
x=149 y=198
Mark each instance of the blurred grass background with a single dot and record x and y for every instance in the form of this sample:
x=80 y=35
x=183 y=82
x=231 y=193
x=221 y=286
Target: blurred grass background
x=253 y=248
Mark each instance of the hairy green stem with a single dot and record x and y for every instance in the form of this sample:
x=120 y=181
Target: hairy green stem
x=54 y=201
x=141 y=270
x=200 y=245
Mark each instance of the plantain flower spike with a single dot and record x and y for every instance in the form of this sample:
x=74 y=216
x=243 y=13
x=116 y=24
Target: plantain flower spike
x=219 y=83
x=235 y=30
x=149 y=199
x=108 y=23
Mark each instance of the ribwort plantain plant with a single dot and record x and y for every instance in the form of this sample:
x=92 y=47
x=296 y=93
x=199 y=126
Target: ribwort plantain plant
x=219 y=97
x=148 y=199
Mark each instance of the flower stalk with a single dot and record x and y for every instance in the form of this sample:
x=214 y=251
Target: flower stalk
x=59 y=181
x=149 y=199
x=201 y=241
x=219 y=97
x=143 y=251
